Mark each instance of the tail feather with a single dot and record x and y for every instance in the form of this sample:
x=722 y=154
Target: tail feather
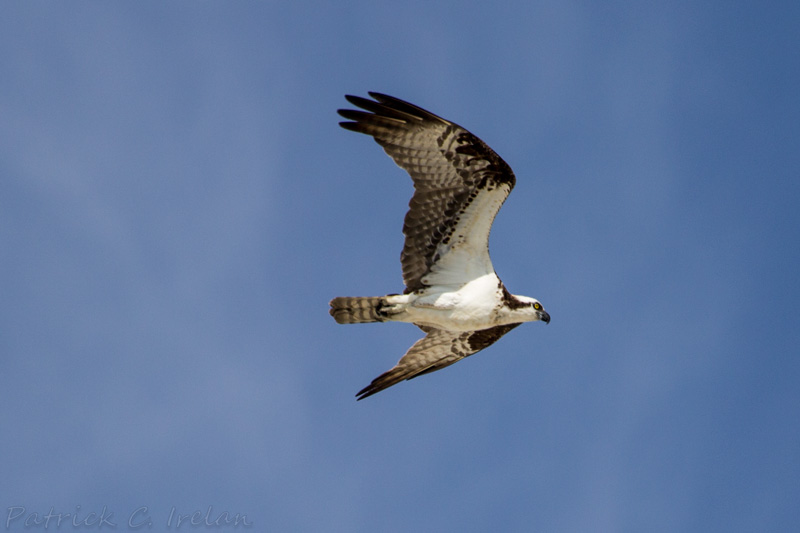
x=358 y=309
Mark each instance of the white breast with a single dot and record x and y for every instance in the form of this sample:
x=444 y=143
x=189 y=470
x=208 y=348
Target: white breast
x=468 y=308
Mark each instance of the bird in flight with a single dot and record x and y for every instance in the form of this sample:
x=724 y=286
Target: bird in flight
x=452 y=291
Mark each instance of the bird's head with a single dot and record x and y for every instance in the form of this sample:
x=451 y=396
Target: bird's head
x=532 y=309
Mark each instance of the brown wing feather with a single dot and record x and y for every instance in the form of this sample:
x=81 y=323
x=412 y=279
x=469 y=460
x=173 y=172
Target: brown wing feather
x=438 y=349
x=447 y=164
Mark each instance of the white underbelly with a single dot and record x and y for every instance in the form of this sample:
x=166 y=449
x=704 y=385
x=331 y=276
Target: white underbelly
x=469 y=308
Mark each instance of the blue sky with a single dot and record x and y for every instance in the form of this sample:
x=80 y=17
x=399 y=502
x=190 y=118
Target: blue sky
x=178 y=205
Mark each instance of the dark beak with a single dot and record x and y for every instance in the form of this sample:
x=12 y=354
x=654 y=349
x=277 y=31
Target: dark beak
x=544 y=316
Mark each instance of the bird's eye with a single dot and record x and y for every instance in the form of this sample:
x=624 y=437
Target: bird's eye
x=536 y=306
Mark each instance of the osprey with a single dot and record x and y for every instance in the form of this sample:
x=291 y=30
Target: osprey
x=452 y=291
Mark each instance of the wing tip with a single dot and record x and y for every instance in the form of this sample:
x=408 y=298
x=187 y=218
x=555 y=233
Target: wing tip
x=363 y=393
x=352 y=126
x=377 y=385
x=385 y=106
x=368 y=391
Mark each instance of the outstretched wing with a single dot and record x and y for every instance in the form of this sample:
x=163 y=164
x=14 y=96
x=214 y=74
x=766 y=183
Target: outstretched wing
x=460 y=184
x=438 y=349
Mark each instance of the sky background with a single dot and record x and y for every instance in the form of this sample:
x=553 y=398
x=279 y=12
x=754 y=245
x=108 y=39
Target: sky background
x=178 y=205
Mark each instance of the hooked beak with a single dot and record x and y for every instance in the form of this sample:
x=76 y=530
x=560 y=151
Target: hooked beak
x=544 y=316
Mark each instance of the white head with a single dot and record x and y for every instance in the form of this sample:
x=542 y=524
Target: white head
x=527 y=309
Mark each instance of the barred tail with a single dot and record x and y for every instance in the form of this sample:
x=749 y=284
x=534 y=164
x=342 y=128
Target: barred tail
x=358 y=309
